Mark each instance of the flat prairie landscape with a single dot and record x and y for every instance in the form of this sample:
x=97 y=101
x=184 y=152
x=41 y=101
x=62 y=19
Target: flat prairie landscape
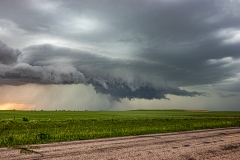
x=36 y=127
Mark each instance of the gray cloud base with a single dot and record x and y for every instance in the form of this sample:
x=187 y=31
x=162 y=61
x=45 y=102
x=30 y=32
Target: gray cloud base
x=48 y=64
x=7 y=54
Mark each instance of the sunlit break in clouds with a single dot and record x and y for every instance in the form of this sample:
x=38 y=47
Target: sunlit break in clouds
x=13 y=106
x=119 y=55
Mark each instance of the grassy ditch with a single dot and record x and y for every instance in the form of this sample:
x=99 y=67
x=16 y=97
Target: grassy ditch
x=25 y=131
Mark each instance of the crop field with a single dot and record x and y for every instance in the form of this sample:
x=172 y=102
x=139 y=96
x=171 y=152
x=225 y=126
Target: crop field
x=34 y=127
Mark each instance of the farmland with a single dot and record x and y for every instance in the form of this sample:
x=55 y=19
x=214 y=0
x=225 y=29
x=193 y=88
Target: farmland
x=32 y=127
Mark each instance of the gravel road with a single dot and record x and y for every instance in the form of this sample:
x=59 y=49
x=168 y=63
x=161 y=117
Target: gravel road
x=211 y=144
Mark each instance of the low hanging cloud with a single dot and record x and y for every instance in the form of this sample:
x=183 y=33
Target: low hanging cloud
x=224 y=95
x=7 y=54
x=119 y=78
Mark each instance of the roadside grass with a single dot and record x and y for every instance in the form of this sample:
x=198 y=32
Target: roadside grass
x=35 y=127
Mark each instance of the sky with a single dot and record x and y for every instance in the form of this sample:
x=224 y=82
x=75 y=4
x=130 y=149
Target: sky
x=120 y=54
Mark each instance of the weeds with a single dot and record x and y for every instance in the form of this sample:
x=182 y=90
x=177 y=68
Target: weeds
x=54 y=131
x=43 y=136
x=18 y=132
x=25 y=149
x=25 y=119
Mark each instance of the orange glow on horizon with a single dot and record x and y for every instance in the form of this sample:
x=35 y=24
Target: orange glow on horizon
x=16 y=106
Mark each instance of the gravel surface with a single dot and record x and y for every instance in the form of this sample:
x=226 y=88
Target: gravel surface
x=211 y=144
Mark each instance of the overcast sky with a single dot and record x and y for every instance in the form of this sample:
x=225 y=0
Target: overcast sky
x=120 y=54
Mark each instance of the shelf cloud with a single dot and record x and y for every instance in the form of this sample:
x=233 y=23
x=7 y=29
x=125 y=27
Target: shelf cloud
x=119 y=78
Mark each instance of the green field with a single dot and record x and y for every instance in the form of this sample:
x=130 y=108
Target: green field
x=32 y=127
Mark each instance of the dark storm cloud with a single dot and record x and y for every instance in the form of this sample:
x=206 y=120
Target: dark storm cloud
x=157 y=45
x=49 y=64
x=120 y=90
x=7 y=54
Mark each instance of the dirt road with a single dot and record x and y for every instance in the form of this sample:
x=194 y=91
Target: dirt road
x=203 y=144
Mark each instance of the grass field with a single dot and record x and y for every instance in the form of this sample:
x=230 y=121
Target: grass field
x=32 y=127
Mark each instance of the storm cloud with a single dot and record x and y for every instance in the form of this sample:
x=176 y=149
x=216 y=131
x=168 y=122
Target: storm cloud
x=134 y=49
x=7 y=54
x=120 y=78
